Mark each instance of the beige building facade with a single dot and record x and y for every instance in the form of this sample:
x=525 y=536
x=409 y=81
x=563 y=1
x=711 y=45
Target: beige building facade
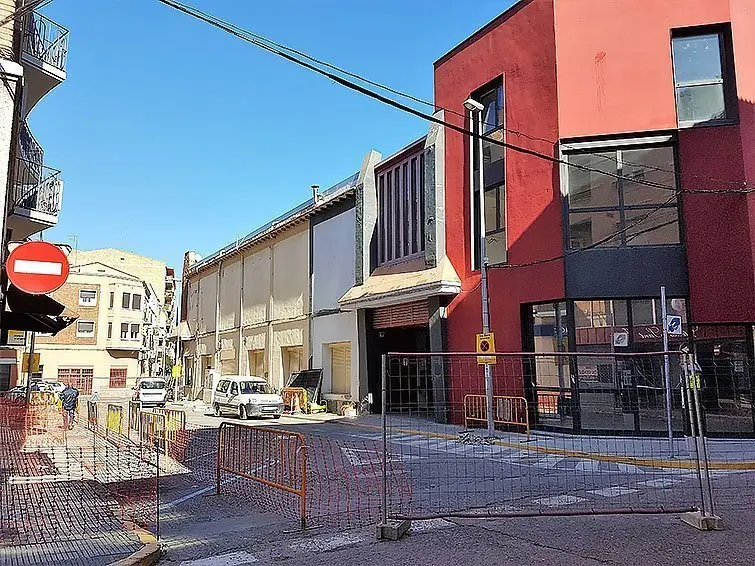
x=247 y=314
x=101 y=349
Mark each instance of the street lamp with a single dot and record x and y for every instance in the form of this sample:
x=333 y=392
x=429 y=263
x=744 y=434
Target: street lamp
x=475 y=112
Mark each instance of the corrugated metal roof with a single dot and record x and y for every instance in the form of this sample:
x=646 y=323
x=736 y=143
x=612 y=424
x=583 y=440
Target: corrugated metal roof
x=302 y=210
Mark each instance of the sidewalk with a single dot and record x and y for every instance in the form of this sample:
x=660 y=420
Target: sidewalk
x=729 y=454
x=52 y=510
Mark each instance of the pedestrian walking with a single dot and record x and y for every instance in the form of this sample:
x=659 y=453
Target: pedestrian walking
x=69 y=399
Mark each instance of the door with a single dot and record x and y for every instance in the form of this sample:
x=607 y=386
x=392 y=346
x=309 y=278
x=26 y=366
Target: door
x=221 y=397
x=233 y=397
x=340 y=368
x=293 y=360
x=257 y=363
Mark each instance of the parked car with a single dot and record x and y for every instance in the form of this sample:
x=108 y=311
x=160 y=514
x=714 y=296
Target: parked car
x=151 y=391
x=52 y=386
x=246 y=396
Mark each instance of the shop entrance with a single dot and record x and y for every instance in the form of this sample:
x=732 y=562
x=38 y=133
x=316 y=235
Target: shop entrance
x=401 y=328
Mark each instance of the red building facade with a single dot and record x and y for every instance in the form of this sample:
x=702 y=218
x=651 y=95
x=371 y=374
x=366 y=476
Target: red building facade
x=643 y=114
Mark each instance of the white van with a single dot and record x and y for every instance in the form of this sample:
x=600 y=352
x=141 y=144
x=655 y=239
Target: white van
x=151 y=391
x=246 y=396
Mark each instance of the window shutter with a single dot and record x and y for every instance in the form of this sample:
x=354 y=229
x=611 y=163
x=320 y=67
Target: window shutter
x=340 y=368
x=408 y=314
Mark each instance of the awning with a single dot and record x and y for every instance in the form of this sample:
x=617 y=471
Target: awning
x=35 y=313
x=402 y=283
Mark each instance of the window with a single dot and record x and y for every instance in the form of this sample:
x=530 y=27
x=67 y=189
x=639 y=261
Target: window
x=340 y=368
x=87 y=298
x=493 y=178
x=401 y=208
x=293 y=360
x=124 y=331
x=257 y=363
x=112 y=300
x=118 y=378
x=234 y=388
x=85 y=328
x=109 y=330
x=134 y=332
x=80 y=378
x=703 y=76
x=223 y=386
x=136 y=302
x=628 y=207
x=126 y=302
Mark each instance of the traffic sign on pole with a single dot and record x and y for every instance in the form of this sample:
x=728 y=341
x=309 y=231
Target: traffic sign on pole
x=486 y=346
x=37 y=267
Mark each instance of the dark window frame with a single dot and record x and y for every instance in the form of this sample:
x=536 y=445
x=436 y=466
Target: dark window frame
x=126 y=300
x=728 y=72
x=401 y=202
x=621 y=207
x=499 y=185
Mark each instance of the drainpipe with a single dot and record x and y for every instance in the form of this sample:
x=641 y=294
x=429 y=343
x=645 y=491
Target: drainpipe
x=216 y=361
x=241 y=322
x=310 y=314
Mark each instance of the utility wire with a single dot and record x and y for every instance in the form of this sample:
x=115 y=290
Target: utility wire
x=239 y=31
x=246 y=36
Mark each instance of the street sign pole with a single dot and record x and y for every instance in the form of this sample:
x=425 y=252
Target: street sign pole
x=667 y=372
x=30 y=367
x=484 y=279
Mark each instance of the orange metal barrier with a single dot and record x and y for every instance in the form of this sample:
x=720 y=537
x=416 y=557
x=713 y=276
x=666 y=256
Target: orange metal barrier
x=508 y=410
x=272 y=457
x=175 y=420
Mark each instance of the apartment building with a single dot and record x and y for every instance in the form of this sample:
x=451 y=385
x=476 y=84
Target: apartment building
x=33 y=57
x=121 y=326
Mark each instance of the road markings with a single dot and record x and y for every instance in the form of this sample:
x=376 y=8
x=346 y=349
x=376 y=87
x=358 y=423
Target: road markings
x=663 y=482
x=326 y=543
x=430 y=525
x=232 y=559
x=559 y=500
x=615 y=491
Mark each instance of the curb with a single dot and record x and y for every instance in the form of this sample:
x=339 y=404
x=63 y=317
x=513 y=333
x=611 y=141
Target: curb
x=631 y=460
x=147 y=555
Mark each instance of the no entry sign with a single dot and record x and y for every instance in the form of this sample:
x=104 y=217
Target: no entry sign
x=37 y=267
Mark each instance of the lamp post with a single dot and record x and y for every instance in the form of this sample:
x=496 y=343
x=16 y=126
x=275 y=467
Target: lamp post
x=475 y=112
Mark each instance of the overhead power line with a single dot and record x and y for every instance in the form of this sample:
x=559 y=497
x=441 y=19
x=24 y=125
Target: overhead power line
x=267 y=45
x=285 y=51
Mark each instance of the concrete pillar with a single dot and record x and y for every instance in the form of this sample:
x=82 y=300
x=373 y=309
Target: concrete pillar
x=438 y=365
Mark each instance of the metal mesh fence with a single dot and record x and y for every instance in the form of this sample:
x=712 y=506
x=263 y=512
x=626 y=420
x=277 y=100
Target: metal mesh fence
x=601 y=442
x=68 y=492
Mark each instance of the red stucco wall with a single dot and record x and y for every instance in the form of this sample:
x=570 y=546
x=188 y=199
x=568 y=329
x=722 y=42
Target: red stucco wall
x=522 y=49
x=614 y=62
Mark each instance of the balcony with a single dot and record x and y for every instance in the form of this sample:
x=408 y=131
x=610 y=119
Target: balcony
x=44 y=54
x=35 y=198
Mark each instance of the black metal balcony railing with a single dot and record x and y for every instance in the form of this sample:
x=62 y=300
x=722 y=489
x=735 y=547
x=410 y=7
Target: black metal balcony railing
x=46 y=40
x=37 y=192
x=30 y=151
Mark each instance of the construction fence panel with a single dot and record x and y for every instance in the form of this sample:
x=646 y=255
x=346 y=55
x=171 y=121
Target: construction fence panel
x=114 y=423
x=76 y=502
x=600 y=446
x=314 y=480
x=92 y=421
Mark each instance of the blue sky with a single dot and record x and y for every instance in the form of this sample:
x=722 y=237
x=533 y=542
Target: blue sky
x=172 y=135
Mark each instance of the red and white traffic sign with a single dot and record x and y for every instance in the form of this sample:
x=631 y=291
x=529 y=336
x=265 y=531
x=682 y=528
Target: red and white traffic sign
x=37 y=267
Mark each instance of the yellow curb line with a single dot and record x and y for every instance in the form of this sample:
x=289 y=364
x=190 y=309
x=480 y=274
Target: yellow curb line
x=643 y=462
x=148 y=555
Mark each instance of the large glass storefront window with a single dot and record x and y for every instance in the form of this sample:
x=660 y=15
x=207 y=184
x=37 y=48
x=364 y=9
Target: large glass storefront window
x=595 y=390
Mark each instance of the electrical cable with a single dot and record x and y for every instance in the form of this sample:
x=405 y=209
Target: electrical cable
x=274 y=47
